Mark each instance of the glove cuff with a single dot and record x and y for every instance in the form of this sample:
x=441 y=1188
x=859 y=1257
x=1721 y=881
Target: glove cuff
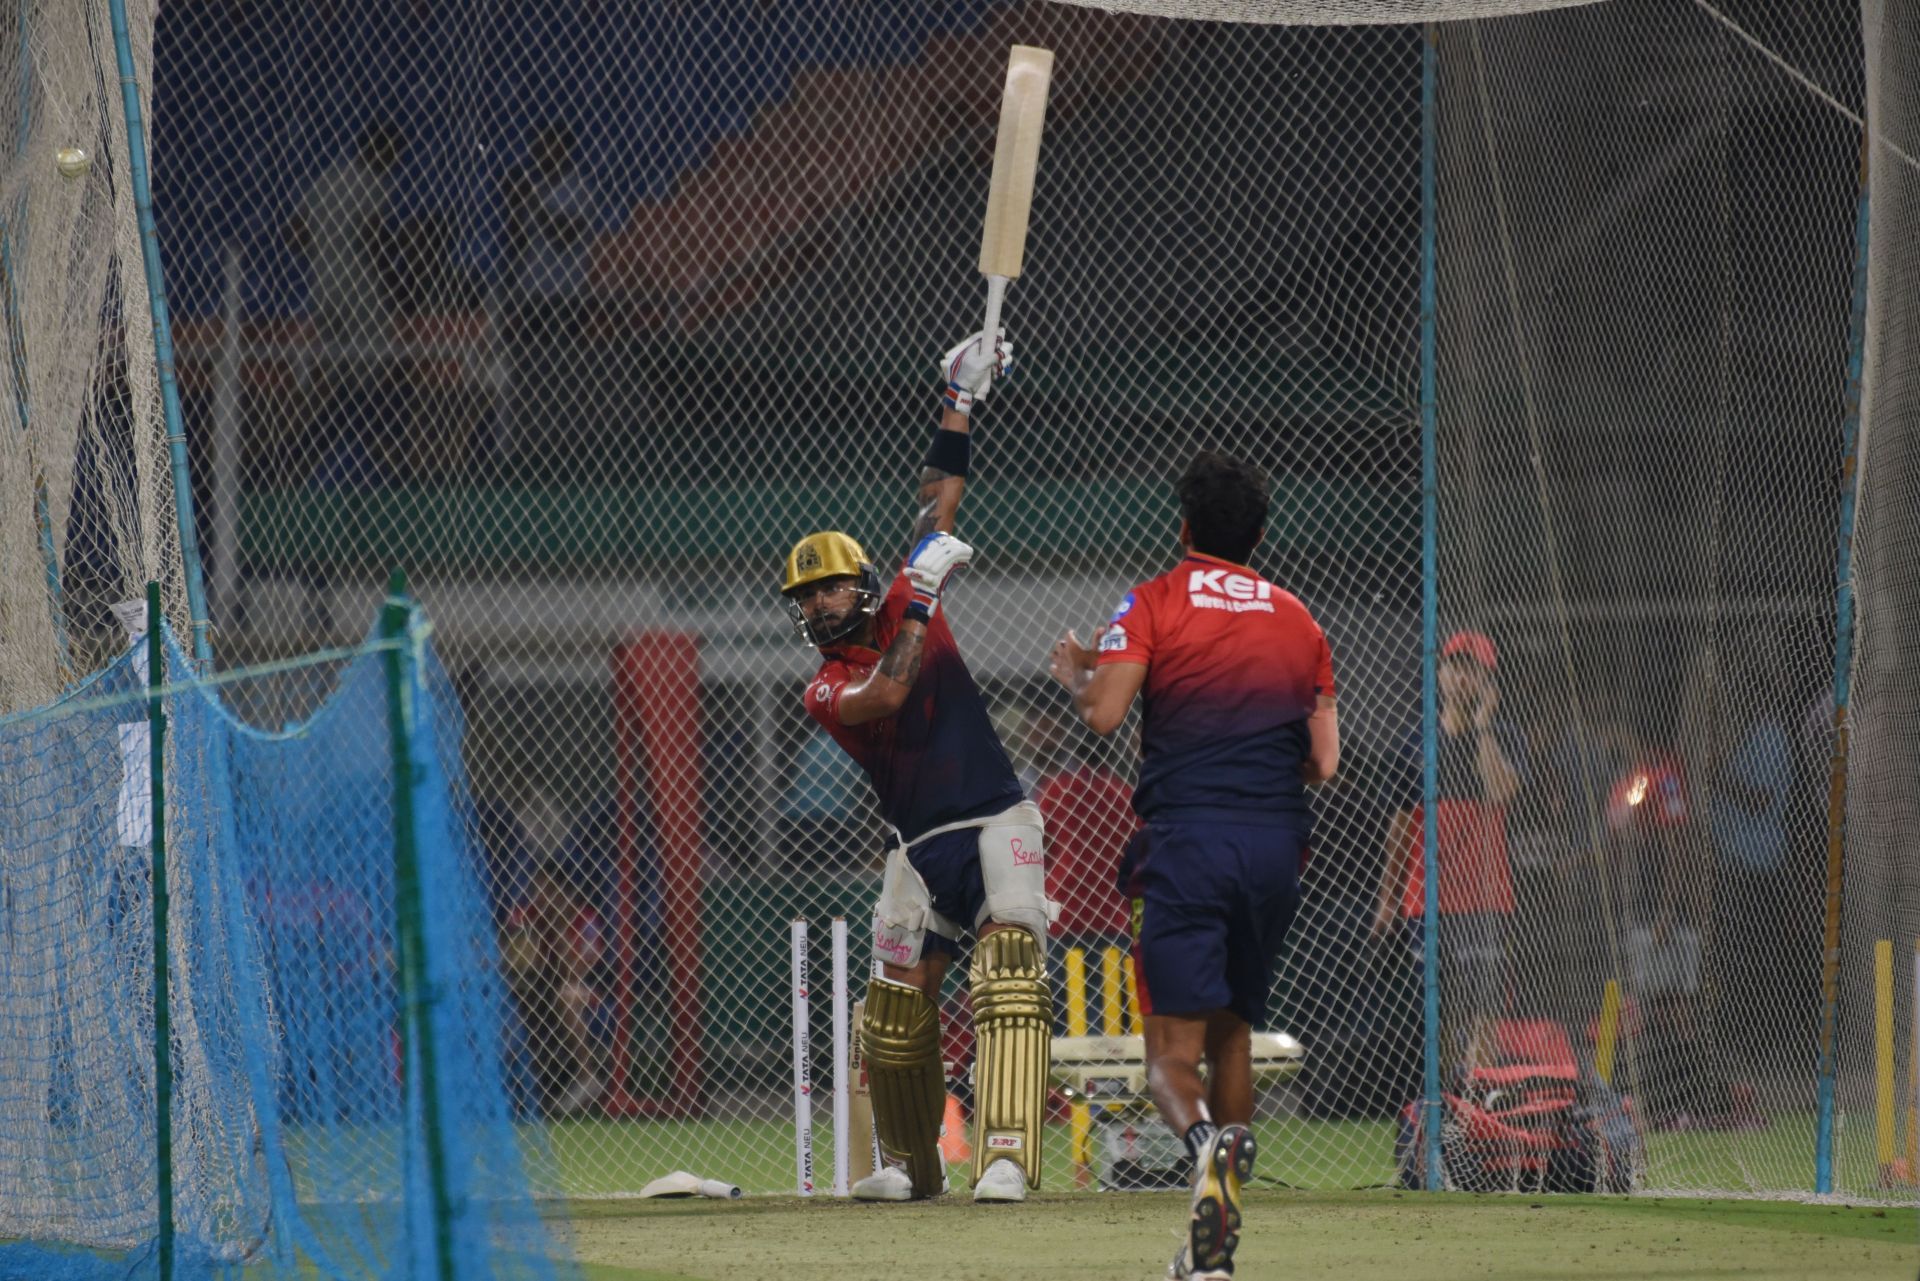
x=958 y=398
x=920 y=608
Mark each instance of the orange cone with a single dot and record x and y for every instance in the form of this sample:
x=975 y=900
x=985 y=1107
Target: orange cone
x=953 y=1141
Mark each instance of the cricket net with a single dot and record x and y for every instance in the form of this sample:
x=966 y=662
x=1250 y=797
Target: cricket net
x=328 y=1038
x=584 y=315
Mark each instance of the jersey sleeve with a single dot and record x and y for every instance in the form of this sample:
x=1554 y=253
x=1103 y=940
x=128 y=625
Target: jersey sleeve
x=823 y=694
x=1129 y=636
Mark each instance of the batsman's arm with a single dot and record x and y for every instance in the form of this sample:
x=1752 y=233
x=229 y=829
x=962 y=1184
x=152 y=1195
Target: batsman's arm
x=968 y=370
x=940 y=489
x=884 y=691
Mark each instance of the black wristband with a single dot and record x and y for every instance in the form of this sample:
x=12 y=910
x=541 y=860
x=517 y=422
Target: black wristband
x=951 y=451
x=916 y=612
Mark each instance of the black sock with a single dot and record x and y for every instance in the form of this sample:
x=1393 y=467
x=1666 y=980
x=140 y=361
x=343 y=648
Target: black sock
x=1198 y=1135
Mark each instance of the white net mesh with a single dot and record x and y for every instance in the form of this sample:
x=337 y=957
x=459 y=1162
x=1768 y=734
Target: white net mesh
x=86 y=496
x=1644 y=513
x=583 y=321
x=1875 y=1078
x=1327 y=13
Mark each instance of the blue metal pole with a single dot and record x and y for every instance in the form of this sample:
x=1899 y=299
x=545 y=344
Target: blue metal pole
x=1842 y=677
x=162 y=336
x=1429 y=615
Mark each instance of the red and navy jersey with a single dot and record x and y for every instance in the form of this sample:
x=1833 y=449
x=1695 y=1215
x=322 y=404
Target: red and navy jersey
x=1234 y=668
x=935 y=761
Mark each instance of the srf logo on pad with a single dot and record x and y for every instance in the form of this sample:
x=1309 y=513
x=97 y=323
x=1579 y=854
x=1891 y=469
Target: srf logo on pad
x=1003 y=1143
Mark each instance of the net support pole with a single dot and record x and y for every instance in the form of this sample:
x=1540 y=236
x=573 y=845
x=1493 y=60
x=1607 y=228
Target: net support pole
x=1842 y=674
x=1429 y=620
x=417 y=996
x=162 y=336
x=162 y=1021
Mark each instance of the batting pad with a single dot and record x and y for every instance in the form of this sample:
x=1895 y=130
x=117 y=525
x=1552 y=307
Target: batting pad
x=901 y=1039
x=1012 y=1011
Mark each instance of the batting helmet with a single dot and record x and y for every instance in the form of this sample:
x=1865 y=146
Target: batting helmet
x=827 y=555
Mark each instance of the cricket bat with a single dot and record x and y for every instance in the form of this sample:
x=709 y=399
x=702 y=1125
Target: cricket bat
x=863 y=1151
x=1016 y=158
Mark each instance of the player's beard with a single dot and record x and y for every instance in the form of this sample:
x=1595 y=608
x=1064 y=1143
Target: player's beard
x=828 y=627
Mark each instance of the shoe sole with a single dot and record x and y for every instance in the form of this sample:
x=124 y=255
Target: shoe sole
x=1215 y=1228
x=1179 y=1271
x=877 y=1198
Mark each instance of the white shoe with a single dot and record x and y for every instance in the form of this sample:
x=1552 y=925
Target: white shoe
x=1002 y=1181
x=1180 y=1270
x=889 y=1183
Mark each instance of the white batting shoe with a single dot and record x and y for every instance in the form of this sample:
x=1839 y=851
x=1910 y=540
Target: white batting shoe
x=1001 y=1181
x=888 y=1183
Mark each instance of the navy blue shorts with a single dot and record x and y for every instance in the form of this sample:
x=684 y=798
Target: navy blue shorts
x=950 y=865
x=1212 y=903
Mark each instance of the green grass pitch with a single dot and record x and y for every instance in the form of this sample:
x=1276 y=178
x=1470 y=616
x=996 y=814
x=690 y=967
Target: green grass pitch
x=1350 y=1229
x=602 y=1158
x=1342 y=1236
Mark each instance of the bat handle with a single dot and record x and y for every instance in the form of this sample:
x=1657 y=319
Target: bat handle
x=996 y=298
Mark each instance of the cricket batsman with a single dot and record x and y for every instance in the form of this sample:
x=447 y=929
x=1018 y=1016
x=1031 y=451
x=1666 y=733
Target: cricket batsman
x=967 y=855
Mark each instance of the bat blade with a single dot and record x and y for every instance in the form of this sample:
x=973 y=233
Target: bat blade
x=1016 y=157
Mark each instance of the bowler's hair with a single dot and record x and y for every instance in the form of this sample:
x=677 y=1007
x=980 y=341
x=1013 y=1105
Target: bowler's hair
x=1225 y=502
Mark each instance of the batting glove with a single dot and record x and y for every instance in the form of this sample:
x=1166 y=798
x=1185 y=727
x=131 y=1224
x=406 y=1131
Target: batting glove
x=970 y=371
x=935 y=559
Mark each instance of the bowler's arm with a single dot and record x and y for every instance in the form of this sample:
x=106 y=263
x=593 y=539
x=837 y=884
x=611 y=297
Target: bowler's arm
x=1323 y=743
x=1101 y=694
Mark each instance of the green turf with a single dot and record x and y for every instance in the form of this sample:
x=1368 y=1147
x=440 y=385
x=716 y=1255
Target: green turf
x=1377 y=1236
x=604 y=1158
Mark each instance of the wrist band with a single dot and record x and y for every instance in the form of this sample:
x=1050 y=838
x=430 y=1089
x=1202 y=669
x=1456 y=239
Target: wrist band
x=918 y=612
x=951 y=451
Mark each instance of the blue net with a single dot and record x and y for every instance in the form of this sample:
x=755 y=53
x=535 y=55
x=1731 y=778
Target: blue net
x=309 y=1137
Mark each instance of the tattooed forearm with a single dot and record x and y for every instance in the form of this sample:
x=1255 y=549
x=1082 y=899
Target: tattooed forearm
x=928 y=519
x=901 y=662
